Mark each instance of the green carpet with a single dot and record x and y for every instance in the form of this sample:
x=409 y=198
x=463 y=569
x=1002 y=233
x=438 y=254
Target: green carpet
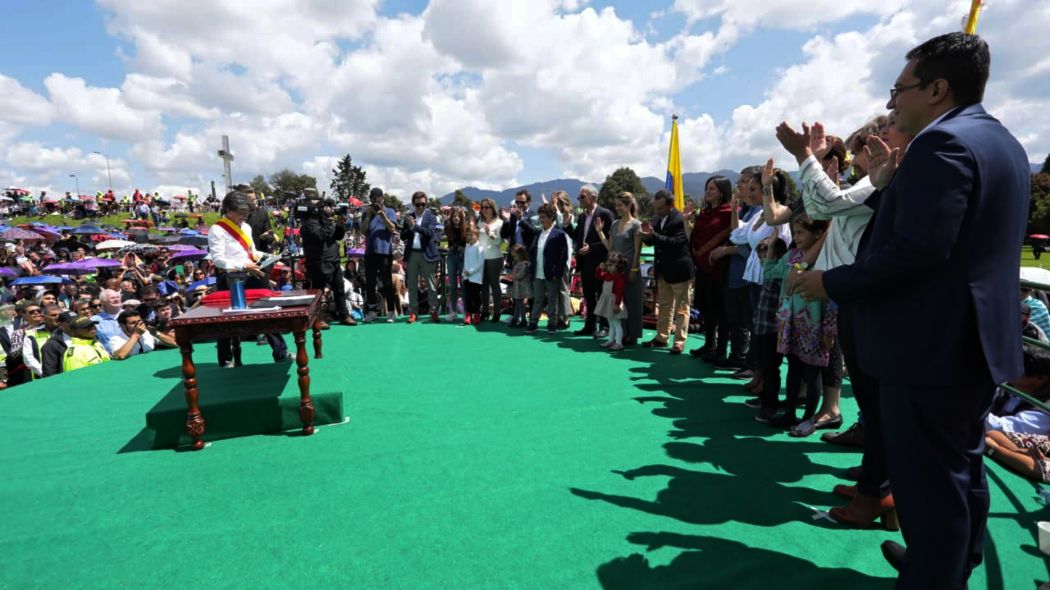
x=471 y=460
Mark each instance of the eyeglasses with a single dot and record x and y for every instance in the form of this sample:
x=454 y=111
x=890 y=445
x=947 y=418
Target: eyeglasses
x=34 y=311
x=485 y=207
x=521 y=203
x=897 y=90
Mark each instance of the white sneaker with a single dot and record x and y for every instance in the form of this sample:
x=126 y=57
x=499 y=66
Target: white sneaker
x=391 y=318
x=452 y=317
x=228 y=365
x=371 y=317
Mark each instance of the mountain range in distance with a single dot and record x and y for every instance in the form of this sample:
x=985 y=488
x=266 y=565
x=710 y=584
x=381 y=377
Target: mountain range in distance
x=694 y=186
x=694 y=183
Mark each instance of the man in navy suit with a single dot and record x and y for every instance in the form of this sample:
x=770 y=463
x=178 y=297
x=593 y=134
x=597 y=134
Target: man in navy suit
x=420 y=236
x=934 y=289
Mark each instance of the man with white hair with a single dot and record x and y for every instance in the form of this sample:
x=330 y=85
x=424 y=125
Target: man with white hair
x=590 y=253
x=108 y=327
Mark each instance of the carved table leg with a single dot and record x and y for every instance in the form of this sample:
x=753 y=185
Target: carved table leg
x=317 y=339
x=306 y=405
x=194 y=420
x=236 y=344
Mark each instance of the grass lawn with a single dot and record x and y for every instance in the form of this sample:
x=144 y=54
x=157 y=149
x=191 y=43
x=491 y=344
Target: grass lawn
x=117 y=220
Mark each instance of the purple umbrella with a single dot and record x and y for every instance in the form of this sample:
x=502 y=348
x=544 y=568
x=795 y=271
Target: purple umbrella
x=179 y=247
x=355 y=252
x=189 y=255
x=8 y=272
x=16 y=233
x=85 y=266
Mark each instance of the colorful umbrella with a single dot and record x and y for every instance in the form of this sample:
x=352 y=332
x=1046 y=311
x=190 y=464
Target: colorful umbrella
x=189 y=255
x=113 y=245
x=180 y=247
x=40 y=280
x=85 y=266
x=1039 y=237
x=8 y=273
x=16 y=233
x=88 y=229
x=203 y=283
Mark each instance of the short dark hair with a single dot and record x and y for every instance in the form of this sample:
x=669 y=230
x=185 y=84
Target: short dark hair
x=235 y=200
x=547 y=210
x=417 y=195
x=244 y=188
x=525 y=192
x=123 y=317
x=963 y=60
x=664 y=195
x=1036 y=361
x=376 y=194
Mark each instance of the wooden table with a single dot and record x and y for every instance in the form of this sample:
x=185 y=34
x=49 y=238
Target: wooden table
x=208 y=322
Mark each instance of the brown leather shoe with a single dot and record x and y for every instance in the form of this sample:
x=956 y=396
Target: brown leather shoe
x=411 y=318
x=434 y=318
x=654 y=343
x=348 y=321
x=676 y=349
x=323 y=326
x=863 y=511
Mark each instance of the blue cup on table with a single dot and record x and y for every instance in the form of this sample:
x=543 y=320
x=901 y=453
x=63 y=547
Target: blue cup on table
x=236 y=281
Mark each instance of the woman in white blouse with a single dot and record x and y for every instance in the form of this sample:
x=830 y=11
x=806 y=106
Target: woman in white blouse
x=489 y=225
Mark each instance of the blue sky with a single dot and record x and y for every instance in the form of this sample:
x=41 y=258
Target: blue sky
x=521 y=93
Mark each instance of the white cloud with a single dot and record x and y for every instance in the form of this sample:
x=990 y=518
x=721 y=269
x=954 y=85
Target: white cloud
x=101 y=111
x=22 y=106
x=440 y=100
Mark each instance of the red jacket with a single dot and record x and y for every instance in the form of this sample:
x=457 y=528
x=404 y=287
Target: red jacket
x=619 y=283
x=710 y=230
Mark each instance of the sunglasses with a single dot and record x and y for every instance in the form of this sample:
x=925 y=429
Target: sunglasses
x=522 y=203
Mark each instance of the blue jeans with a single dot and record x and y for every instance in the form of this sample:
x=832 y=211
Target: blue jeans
x=454 y=273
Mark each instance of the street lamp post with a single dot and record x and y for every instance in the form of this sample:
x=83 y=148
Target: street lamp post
x=108 y=175
x=77 y=181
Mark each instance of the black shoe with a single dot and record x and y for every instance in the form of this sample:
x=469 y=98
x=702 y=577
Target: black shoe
x=854 y=473
x=563 y=325
x=783 y=421
x=495 y=319
x=743 y=374
x=702 y=351
x=754 y=403
x=851 y=437
x=552 y=328
x=584 y=332
x=531 y=329
x=286 y=357
x=514 y=323
x=729 y=363
x=895 y=553
x=763 y=417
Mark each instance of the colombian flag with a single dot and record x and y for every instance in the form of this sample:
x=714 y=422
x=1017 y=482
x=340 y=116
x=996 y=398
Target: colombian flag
x=971 y=20
x=674 y=168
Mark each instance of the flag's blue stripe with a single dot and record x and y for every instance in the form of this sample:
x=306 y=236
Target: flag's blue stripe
x=669 y=184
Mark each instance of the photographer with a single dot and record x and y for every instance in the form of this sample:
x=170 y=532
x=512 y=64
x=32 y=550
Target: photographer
x=134 y=337
x=420 y=237
x=321 y=232
x=380 y=222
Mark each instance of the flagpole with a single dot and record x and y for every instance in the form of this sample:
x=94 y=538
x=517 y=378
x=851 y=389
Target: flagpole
x=971 y=20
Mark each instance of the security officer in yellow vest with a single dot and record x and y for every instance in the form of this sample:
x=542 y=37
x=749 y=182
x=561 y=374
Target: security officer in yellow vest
x=84 y=348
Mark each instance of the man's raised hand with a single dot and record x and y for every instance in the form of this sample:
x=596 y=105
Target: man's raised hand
x=882 y=161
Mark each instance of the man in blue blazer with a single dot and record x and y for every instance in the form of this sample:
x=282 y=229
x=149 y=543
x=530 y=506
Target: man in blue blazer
x=549 y=261
x=935 y=288
x=420 y=236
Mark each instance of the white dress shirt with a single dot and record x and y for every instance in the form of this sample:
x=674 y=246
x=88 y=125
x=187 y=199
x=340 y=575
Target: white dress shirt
x=541 y=243
x=146 y=343
x=226 y=252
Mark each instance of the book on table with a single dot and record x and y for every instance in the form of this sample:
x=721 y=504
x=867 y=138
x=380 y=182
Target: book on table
x=283 y=301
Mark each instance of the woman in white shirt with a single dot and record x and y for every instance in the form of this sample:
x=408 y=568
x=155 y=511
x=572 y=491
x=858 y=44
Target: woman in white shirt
x=491 y=243
x=232 y=251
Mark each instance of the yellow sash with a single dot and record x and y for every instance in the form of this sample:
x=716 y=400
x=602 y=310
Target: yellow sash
x=238 y=234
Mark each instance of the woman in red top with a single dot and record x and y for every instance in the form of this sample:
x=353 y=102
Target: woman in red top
x=710 y=230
